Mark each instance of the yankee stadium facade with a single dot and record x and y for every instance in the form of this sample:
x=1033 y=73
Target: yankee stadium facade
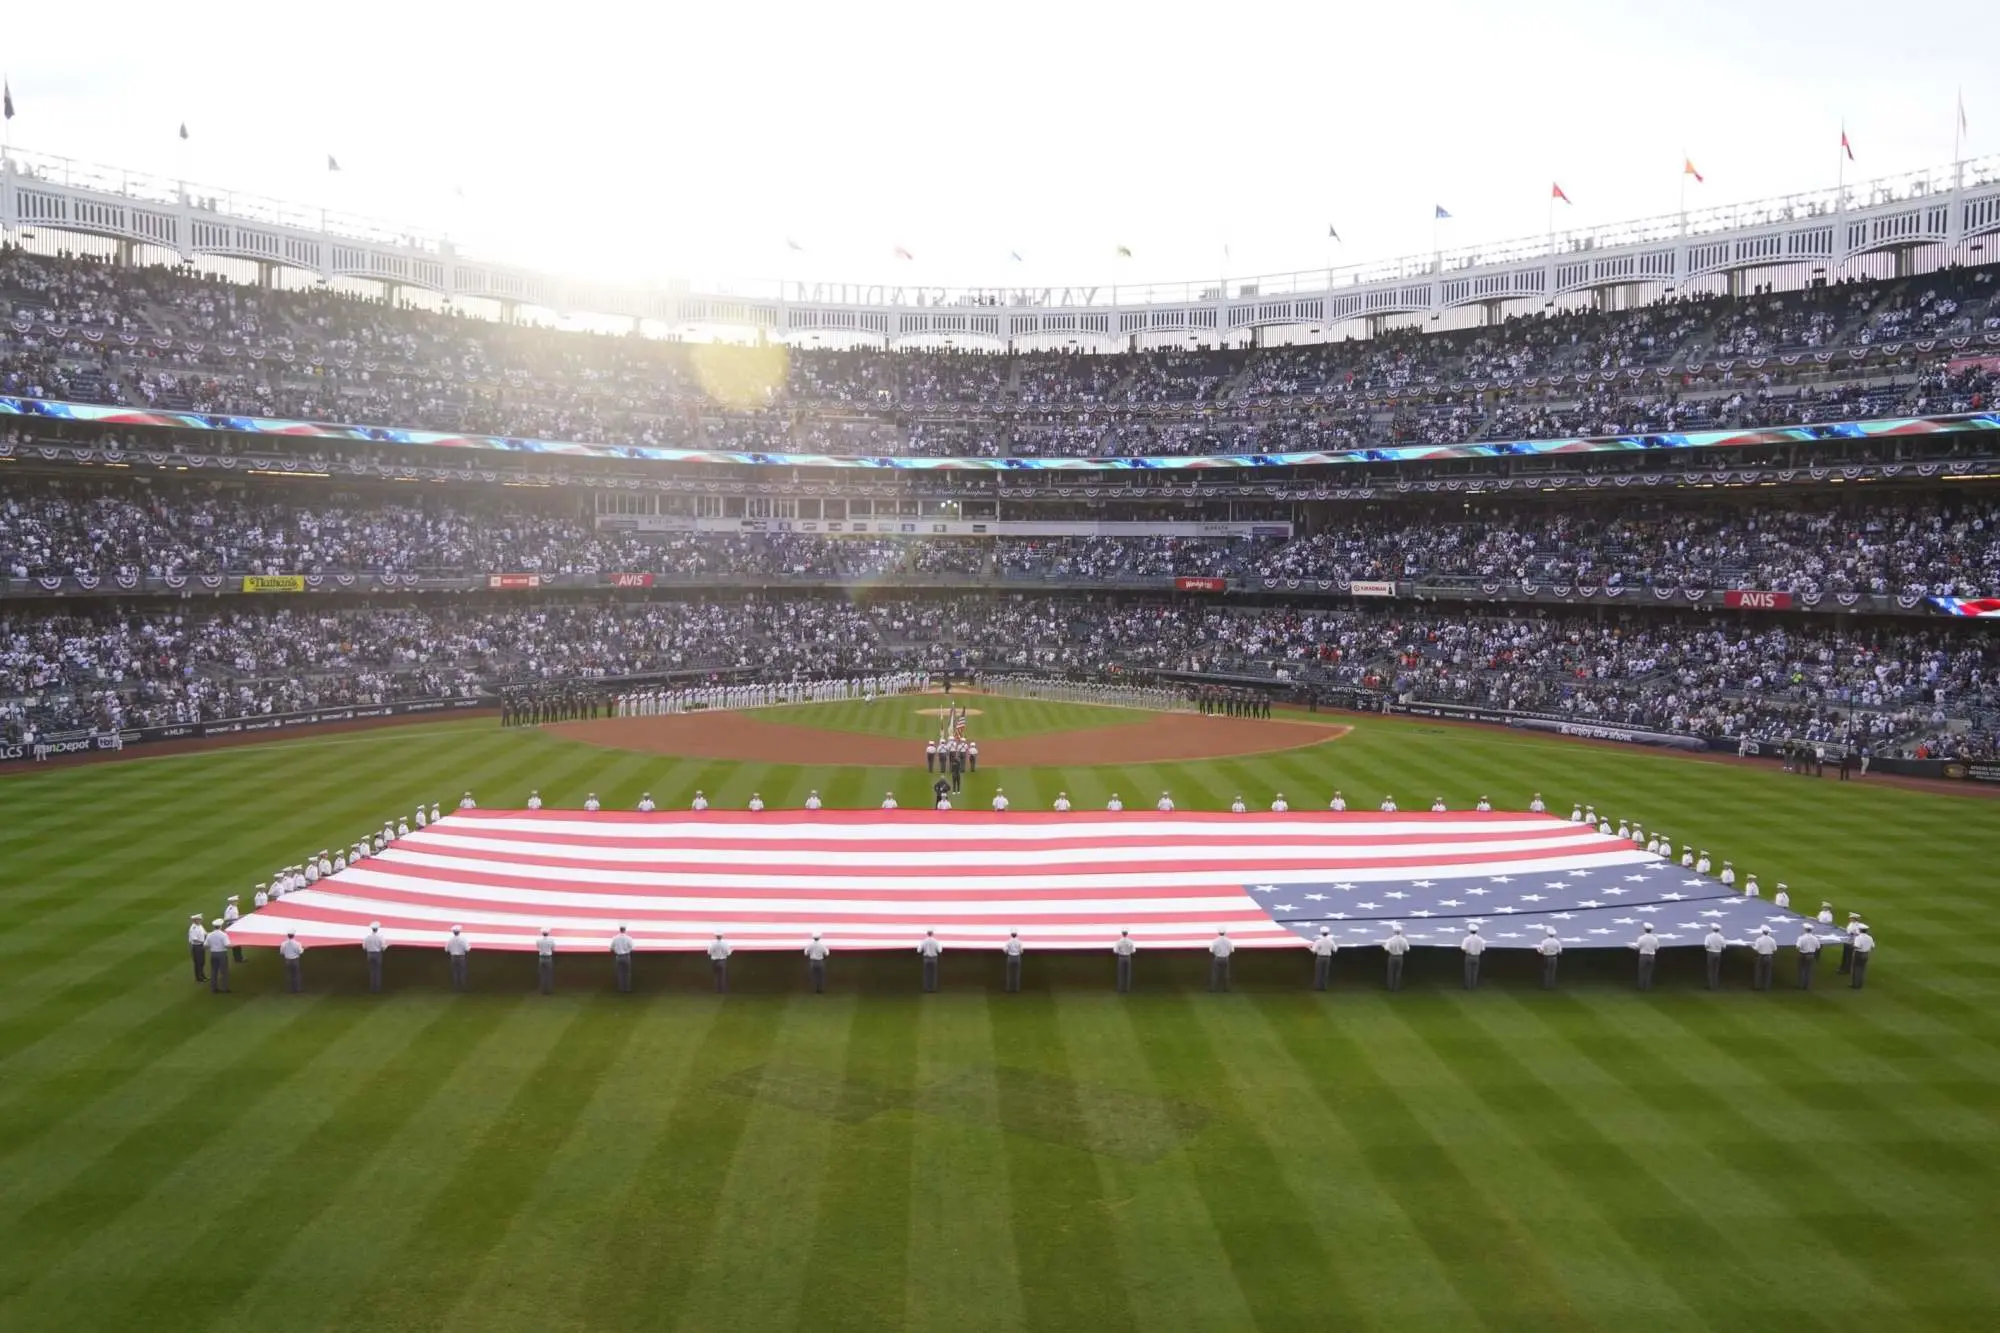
x=1892 y=226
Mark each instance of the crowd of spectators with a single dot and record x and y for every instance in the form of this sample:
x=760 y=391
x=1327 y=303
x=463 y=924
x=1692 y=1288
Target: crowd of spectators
x=1884 y=688
x=1923 y=542
x=168 y=339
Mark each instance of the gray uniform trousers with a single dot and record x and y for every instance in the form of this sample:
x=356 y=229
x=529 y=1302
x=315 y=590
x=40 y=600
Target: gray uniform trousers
x=1124 y=973
x=460 y=970
x=1395 y=971
x=1760 y=979
x=1472 y=971
x=1646 y=961
x=199 y=955
x=816 y=972
x=375 y=972
x=1860 y=971
x=621 y=966
x=1846 y=960
x=1322 y=970
x=545 y=973
x=1549 y=971
x=218 y=972
x=1218 y=974
x=1013 y=972
x=294 y=976
x=1806 y=961
x=930 y=973
x=1715 y=971
x=721 y=969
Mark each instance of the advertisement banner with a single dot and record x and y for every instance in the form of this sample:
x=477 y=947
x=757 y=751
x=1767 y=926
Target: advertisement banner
x=1750 y=599
x=513 y=580
x=274 y=583
x=1371 y=588
x=1200 y=585
x=631 y=580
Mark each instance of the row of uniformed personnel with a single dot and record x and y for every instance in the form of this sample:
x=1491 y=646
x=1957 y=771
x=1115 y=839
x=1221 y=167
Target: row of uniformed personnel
x=215 y=944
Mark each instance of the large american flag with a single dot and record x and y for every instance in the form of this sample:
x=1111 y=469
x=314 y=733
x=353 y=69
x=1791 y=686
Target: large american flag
x=879 y=879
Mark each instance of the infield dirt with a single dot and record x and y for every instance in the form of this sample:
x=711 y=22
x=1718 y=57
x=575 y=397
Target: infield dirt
x=1170 y=738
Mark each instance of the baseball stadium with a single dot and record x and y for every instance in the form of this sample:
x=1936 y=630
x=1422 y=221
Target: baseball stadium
x=882 y=798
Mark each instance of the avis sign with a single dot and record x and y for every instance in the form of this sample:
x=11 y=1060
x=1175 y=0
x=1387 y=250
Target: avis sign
x=1750 y=599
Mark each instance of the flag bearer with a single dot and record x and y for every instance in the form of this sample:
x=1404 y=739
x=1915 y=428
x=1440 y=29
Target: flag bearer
x=1766 y=947
x=816 y=963
x=545 y=961
x=291 y=951
x=1713 y=947
x=1862 y=948
x=1124 y=948
x=1808 y=947
x=621 y=959
x=218 y=958
x=1550 y=949
x=198 y=947
x=1013 y=951
x=457 y=947
x=1648 y=945
x=718 y=962
x=1472 y=946
x=372 y=944
x=928 y=948
x=1219 y=950
x=1323 y=950
x=1395 y=947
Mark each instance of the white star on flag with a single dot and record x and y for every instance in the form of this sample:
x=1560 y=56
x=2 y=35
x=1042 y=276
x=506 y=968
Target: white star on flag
x=1503 y=879
x=1420 y=912
x=1531 y=897
x=1615 y=891
x=1396 y=896
x=1510 y=934
x=1509 y=910
x=1477 y=893
x=1285 y=907
x=1673 y=897
x=1344 y=888
x=1263 y=888
x=1447 y=902
x=1635 y=879
x=1654 y=908
x=1420 y=883
x=1315 y=897
x=1367 y=907
x=1626 y=920
x=1563 y=916
x=1601 y=930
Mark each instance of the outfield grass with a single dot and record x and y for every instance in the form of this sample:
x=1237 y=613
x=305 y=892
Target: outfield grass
x=1063 y=1159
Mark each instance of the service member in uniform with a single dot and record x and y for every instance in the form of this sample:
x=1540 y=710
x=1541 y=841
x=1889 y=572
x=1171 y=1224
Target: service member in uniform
x=700 y=800
x=1236 y=807
x=928 y=948
x=291 y=951
x=1338 y=802
x=1012 y=949
x=230 y=912
x=1648 y=945
x=1323 y=948
x=1278 y=804
x=941 y=793
x=1114 y=804
x=1124 y=949
x=1062 y=802
x=1714 y=945
x=198 y=947
x=816 y=963
x=1808 y=947
x=1847 y=944
x=1862 y=948
x=458 y=948
x=1219 y=950
x=718 y=961
x=218 y=958
x=1550 y=949
x=999 y=798
x=1472 y=946
x=372 y=945
x=621 y=960
x=889 y=800
x=1765 y=948
x=545 y=962
x=1395 y=947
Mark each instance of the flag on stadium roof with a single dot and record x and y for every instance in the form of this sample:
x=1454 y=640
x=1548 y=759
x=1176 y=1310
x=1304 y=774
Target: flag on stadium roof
x=1441 y=211
x=7 y=102
x=1015 y=255
x=1961 y=110
x=1687 y=169
x=1845 y=146
x=332 y=164
x=902 y=253
x=1124 y=252
x=878 y=879
x=184 y=130
x=791 y=244
x=1556 y=192
x=1331 y=234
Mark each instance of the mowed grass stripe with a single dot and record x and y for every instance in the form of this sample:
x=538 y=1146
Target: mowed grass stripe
x=669 y=1206
x=101 y=1163
x=858 y=1262
x=1276 y=1257
x=1065 y=1252
x=960 y=1235
x=282 y=1160
x=501 y=1164
x=735 y=1281
x=1175 y=1268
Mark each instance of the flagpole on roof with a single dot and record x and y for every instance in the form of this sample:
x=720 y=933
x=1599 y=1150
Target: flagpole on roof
x=1958 y=142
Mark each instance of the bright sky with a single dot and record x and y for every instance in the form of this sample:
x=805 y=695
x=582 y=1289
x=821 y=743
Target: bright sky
x=637 y=141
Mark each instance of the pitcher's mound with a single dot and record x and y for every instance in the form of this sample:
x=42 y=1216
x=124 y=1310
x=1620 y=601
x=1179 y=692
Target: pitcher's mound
x=950 y=712
x=1172 y=738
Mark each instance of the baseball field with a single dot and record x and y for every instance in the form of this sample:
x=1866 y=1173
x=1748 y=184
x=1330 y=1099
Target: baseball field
x=1066 y=1158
